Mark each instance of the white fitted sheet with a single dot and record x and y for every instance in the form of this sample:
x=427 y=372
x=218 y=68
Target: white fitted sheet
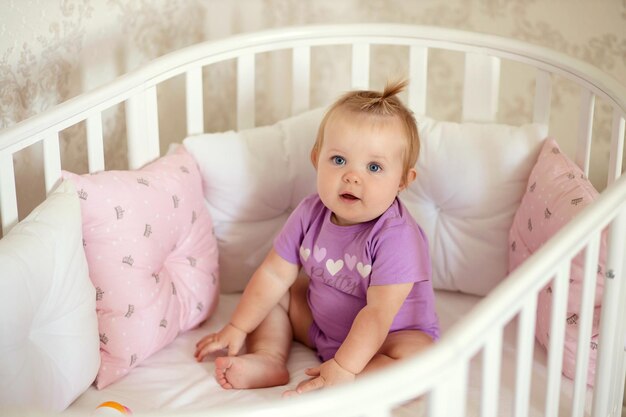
x=172 y=380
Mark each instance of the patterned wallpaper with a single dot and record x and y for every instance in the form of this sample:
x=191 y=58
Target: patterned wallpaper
x=52 y=50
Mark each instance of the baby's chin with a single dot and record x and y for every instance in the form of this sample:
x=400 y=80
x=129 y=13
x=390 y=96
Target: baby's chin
x=350 y=221
x=341 y=222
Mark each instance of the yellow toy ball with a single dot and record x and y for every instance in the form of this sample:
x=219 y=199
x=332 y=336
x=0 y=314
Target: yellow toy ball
x=111 y=408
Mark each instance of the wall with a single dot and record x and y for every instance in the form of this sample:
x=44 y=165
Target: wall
x=51 y=50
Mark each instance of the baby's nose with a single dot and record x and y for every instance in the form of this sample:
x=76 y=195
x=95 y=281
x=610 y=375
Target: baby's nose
x=351 y=177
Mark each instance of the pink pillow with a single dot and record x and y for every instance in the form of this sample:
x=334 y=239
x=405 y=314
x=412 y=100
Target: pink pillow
x=152 y=257
x=557 y=191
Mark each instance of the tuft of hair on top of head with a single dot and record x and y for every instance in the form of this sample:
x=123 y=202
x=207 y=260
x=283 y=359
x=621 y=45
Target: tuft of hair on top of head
x=383 y=103
x=393 y=88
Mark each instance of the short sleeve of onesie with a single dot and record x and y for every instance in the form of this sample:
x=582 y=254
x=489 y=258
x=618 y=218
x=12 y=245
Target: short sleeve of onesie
x=287 y=243
x=400 y=254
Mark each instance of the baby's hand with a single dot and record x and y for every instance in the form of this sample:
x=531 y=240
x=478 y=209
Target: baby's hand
x=229 y=337
x=327 y=374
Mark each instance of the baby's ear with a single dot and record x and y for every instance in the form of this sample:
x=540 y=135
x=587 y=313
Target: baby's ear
x=410 y=177
x=314 y=156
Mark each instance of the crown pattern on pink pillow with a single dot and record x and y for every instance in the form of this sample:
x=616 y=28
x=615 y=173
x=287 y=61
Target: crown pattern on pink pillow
x=152 y=257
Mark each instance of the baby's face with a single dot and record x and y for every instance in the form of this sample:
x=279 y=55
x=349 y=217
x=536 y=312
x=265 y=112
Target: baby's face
x=360 y=166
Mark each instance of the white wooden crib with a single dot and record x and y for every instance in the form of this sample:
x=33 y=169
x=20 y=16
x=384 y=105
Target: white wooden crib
x=435 y=383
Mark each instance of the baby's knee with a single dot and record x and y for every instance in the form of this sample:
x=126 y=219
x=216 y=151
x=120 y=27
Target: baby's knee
x=297 y=292
x=405 y=343
x=284 y=301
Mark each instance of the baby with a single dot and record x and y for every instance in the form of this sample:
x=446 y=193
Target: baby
x=349 y=274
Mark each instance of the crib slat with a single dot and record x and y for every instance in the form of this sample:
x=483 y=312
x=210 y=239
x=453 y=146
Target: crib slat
x=481 y=88
x=610 y=346
x=418 y=69
x=560 y=288
x=452 y=386
x=617 y=395
x=51 y=161
x=300 y=79
x=152 y=120
x=8 y=197
x=585 y=124
x=543 y=97
x=142 y=128
x=360 y=66
x=194 y=101
x=525 y=347
x=135 y=129
x=619 y=345
x=617 y=147
x=492 y=359
x=586 y=319
x=95 y=143
x=245 y=92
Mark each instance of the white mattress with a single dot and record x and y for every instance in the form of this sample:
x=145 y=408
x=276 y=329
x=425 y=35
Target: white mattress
x=172 y=380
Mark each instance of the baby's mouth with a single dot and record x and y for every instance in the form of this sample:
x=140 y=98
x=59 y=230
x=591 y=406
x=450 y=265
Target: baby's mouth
x=348 y=196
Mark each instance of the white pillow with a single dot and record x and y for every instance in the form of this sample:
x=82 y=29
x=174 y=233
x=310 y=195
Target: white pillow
x=49 y=345
x=252 y=180
x=470 y=180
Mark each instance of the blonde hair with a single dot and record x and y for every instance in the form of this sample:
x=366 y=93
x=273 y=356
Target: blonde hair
x=383 y=104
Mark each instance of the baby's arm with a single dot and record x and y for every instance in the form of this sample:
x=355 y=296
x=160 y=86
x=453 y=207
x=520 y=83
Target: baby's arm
x=371 y=326
x=367 y=334
x=268 y=284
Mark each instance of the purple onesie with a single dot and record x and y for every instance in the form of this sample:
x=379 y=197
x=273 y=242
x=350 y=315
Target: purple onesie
x=343 y=261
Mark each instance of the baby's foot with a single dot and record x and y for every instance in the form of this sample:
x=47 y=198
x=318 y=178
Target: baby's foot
x=253 y=370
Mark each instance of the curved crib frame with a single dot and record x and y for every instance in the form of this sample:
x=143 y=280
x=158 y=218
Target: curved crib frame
x=514 y=299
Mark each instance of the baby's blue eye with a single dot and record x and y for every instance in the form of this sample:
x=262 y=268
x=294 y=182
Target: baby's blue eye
x=338 y=160
x=374 y=167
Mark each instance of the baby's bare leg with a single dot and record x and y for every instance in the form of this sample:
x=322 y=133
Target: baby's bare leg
x=264 y=364
x=300 y=314
x=397 y=346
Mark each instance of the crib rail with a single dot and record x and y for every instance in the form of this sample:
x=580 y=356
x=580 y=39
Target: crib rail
x=479 y=333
